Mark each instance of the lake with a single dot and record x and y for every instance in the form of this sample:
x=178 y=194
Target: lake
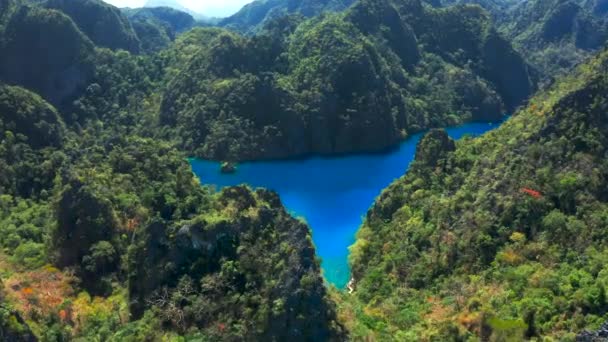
x=333 y=194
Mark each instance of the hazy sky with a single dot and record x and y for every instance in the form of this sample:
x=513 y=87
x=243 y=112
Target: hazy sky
x=220 y=8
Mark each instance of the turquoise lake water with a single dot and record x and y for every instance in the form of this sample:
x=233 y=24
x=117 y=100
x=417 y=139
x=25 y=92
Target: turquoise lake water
x=333 y=194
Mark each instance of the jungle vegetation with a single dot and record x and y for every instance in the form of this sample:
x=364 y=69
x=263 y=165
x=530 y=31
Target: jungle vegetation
x=497 y=238
x=106 y=235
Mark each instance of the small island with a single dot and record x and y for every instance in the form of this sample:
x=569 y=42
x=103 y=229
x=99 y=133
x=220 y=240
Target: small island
x=228 y=167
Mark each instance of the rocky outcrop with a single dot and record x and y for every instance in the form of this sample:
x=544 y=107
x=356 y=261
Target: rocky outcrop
x=153 y=36
x=85 y=236
x=599 y=335
x=257 y=253
x=433 y=147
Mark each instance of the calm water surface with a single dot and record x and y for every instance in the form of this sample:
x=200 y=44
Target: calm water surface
x=333 y=194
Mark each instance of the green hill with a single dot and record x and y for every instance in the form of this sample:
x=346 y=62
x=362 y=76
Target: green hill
x=23 y=112
x=178 y=21
x=104 y=24
x=56 y=73
x=157 y=27
x=357 y=81
x=553 y=35
x=498 y=236
x=556 y=35
x=106 y=235
x=30 y=130
x=253 y=16
x=86 y=204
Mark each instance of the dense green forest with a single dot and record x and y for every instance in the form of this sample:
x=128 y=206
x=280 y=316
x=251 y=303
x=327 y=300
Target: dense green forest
x=499 y=238
x=360 y=80
x=253 y=16
x=104 y=24
x=105 y=234
x=157 y=27
x=553 y=35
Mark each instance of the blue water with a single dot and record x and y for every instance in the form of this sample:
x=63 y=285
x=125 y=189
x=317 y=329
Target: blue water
x=333 y=194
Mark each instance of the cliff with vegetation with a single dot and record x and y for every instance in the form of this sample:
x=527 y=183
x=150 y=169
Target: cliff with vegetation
x=104 y=24
x=253 y=16
x=90 y=193
x=106 y=235
x=361 y=80
x=158 y=27
x=557 y=35
x=501 y=237
x=553 y=35
x=58 y=73
x=177 y=20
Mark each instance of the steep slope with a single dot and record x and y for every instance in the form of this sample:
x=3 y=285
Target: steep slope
x=57 y=73
x=157 y=27
x=206 y=263
x=497 y=237
x=25 y=113
x=553 y=35
x=82 y=205
x=178 y=21
x=30 y=129
x=104 y=24
x=165 y=3
x=358 y=81
x=556 y=35
x=153 y=35
x=253 y=16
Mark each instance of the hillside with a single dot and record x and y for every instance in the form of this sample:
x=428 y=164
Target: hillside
x=556 y=35
x=178 y=21
x=498 y=236
x=157 y=27
x=166 y=3
x=252 y=17
x=361 y=80
x=553 y=35
x=106 y=234
x=90 y=192
x=57 y=74
x=104 y=24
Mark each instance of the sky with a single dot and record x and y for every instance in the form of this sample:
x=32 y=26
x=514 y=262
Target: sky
x=212 y=8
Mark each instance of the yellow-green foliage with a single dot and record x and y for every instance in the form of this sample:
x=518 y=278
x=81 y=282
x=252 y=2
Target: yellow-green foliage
x=458 y=248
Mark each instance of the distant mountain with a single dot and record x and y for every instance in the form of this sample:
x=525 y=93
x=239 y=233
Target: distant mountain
x=555 y=35
x=178 y=20
x=157 y=27
x=166 y=3
x=175 y=5
x=252 y=16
